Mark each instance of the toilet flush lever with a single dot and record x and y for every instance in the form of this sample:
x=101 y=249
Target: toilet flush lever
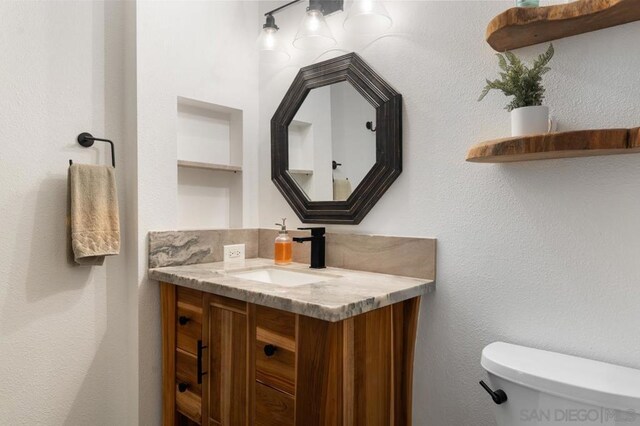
x=498 y=396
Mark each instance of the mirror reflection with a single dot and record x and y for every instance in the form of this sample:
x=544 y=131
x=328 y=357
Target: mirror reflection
x=330 y=147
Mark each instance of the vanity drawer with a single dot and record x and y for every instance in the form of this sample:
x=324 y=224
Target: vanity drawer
x=273 y=408
x=188 y=399
x=189 y=405
x=188 y=319
x=275 y=349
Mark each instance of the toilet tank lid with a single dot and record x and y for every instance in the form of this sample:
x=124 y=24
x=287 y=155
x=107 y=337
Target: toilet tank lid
x=583 y=380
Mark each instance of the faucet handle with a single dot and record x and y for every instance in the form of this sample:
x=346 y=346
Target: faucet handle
x=315 y=231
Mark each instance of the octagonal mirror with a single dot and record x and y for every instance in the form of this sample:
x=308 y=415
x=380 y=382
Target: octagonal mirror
x=336 y=141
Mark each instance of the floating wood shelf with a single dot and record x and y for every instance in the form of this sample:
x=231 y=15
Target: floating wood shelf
x=520 y=27
x=209 y=166
x=583 y=143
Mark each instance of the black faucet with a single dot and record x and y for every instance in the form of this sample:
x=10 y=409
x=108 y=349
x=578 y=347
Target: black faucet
x=317 y=246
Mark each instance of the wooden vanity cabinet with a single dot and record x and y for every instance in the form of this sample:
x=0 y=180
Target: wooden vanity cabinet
x=231 y=363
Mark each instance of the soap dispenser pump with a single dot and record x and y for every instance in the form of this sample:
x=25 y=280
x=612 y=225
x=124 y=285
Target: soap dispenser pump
x=282 y=251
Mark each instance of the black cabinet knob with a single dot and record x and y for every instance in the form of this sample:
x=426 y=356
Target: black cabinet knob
x=183 y=320
x=269 y=350
x=182 y=387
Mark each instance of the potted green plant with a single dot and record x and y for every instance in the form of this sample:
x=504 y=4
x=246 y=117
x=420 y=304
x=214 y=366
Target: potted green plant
x=528 y=115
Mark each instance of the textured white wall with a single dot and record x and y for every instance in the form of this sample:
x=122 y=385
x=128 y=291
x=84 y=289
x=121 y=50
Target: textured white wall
x=63 y=328
x=199 y=50
x=540 y=254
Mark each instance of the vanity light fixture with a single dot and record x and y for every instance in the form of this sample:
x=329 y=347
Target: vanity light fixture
x=367 y=17
x=269 y=43
x=314 y=33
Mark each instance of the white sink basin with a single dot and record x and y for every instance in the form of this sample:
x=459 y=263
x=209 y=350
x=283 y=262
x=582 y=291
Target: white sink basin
x=282 y=277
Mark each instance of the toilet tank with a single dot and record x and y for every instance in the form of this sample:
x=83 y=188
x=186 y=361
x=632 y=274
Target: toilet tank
x=547 y=388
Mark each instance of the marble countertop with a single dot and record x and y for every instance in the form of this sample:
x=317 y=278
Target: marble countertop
x=343 y=294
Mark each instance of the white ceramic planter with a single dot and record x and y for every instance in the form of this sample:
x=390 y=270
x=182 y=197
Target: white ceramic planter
x=530 y=120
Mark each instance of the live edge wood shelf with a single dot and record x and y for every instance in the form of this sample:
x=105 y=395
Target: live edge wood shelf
x=583 y=143
x=519 y=27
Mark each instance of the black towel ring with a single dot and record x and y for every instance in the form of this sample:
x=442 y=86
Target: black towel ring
x=86 y=140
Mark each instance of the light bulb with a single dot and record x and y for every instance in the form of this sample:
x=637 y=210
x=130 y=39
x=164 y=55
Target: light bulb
x=366 y=6
x=314 y=33
x=367 y=17
x=313 y=23
x=269 y=38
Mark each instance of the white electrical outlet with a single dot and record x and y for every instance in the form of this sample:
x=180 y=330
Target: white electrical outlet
x=234 y=252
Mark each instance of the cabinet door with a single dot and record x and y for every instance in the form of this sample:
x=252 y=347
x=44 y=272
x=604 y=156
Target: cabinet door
x=228 y=366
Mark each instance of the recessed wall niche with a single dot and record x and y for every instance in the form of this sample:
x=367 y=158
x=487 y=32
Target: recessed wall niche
x=209 y=160
x=301 y=154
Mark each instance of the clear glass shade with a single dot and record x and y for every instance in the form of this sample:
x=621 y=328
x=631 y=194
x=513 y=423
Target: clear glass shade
x=314 y=33
x=367 y=17
x=271 y=49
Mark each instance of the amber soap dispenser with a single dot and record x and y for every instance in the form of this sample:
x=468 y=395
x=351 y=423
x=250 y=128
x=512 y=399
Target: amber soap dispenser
x=282 y=245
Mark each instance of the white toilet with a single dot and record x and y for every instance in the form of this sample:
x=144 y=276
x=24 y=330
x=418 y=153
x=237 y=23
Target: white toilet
x=547 y=388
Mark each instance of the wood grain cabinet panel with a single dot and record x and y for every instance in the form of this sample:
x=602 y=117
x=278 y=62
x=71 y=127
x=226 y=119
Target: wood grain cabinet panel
x=316 y=373
x=319 y=378
x=275 y=347
x=168 y=317
x=182 y=420
x=189 y=405
x=186 y=371
x=371 y=390
x=277 y=370
x=227 y=367
x=273 y=408
x=188 y=319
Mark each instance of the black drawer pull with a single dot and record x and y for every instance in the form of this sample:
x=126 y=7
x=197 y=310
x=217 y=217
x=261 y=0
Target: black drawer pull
x=182 y=387
x=183 y=320
x=270 y=350
x=200 y=373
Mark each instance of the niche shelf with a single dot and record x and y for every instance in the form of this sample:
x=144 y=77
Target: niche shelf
x=301 y=172
x=209 y=160
x=581 y=143
x=209 y=166
x=209 y=133
x=519 y=27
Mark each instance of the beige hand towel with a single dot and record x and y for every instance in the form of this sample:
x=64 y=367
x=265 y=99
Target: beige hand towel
x=95 y=224
x=341 y=189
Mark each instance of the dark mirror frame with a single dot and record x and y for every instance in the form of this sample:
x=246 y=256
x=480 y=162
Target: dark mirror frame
x=388 y=127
